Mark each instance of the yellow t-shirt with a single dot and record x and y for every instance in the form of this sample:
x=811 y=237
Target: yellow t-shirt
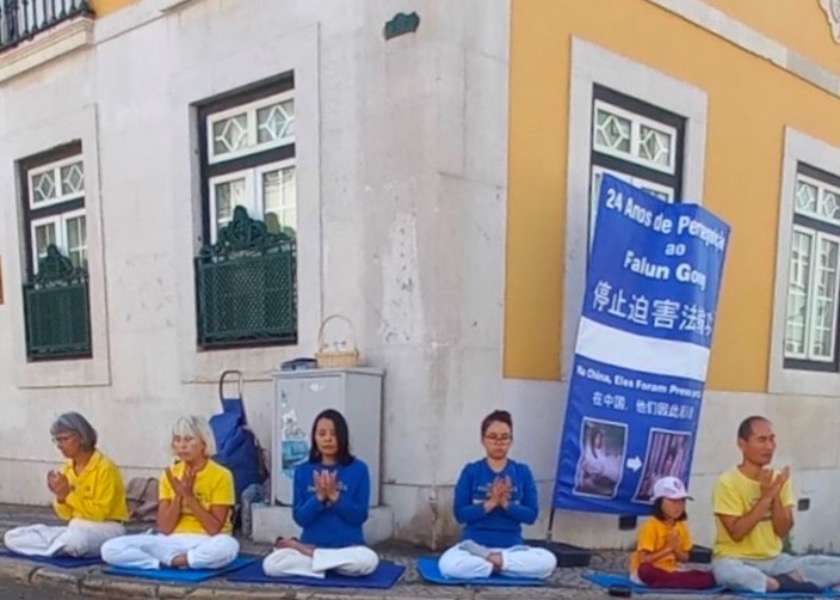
x=213 y=486
x=735 y=495
x=653 y=537
x=98 y=493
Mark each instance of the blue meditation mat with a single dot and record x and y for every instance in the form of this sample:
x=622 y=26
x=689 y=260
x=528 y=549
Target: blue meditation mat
x=181 y=575
x=383 y=578
x=64 y=562
x=825 y=594
x=606 y=580
x=428 y=569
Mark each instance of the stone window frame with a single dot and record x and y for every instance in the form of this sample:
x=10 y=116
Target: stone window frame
x=788 y=377
x=595 y=65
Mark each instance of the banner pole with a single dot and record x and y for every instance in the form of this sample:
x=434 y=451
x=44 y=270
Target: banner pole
x=549 y=533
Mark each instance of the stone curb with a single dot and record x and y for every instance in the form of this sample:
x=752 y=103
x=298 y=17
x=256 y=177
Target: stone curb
x=90 y=581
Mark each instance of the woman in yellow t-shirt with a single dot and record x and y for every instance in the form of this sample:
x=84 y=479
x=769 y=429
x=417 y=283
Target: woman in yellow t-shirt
x=665 y=541
x=88 y=492
x=194 y=516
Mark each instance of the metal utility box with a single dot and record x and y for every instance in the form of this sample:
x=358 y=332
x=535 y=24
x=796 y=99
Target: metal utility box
x=298 y=398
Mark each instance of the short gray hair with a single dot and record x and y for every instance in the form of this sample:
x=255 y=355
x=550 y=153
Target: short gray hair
x=73 y=422
x=196 y=427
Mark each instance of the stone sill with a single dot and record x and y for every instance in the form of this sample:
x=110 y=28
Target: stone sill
x=49 y=45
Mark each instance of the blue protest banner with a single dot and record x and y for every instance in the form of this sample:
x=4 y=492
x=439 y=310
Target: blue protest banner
x=642 y=350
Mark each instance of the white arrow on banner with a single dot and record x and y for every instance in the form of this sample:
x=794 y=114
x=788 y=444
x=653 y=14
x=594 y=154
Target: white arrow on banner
x=634 y=464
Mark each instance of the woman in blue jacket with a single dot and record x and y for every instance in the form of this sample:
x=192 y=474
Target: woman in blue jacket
x=494 y=497
x=331 y=498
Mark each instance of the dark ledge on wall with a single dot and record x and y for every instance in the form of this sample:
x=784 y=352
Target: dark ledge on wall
x=401 y=24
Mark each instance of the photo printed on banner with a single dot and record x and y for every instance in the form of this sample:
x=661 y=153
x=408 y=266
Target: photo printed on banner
x=668 y=455
x=602 y=460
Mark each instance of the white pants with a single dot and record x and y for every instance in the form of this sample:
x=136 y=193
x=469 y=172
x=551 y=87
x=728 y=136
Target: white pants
x=517 y=561
x=150 y=551
x=353 y=561
x=751 y=575
x=78 y=538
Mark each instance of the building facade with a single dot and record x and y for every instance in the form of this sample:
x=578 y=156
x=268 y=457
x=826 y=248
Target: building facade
x=424 y=168
x=730 y=104
x=375 y=161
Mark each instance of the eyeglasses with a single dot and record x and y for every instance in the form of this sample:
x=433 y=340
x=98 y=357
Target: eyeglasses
x=494 y=437
x=62 y=438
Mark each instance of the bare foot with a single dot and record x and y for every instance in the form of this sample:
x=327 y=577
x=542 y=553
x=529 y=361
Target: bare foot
x=772 y=585
x=796 y=576
x=180 y=562
x=495 y=559
x=292 y=543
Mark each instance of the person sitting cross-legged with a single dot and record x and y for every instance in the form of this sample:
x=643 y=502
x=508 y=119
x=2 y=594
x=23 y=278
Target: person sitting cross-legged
x=88 y=493
x=494 y=497
x=664 y=541
x=331 y=498
x=753 y=507
x=194 y=516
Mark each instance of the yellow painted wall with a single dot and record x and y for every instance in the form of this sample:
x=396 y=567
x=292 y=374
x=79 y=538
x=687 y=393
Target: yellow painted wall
x=750 y=102
x=798 y=24
x=103 y=8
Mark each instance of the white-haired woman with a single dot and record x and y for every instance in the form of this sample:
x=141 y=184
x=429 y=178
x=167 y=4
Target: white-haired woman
x=88 y=493
x=194 y=515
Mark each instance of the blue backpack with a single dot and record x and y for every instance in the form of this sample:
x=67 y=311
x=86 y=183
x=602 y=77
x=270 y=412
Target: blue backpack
x=237 y=448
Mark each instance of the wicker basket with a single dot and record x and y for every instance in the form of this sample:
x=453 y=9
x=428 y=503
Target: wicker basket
x=333 y=355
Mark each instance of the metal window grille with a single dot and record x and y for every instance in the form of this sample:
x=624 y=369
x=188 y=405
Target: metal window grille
x=246 y=286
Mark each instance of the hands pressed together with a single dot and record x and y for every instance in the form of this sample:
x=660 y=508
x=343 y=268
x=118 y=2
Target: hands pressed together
x=183 y=487
x=771 y=487
x=673 y=541
x=326 y=486
x=59 y=485
x=499 y=494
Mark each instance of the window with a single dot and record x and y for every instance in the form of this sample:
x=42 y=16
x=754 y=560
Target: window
x=267 y=191
x=812 y=289
x=56 y=210
x=55 y=233
x=636 y=142
x=599 y=75
x=246 y=280
x=250 y=162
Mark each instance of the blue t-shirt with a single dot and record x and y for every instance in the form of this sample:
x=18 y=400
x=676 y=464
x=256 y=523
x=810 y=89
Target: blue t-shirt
x=499 y=528
x=326 y=525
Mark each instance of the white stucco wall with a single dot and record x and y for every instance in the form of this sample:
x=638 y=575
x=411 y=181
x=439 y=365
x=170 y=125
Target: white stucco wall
x=402 y=167
x=401 y=154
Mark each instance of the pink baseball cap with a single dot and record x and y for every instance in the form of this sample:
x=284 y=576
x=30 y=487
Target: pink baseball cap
x=671 y=488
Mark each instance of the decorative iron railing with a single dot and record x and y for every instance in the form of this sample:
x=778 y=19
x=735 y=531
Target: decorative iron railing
x=56 y=308
x=246 y=286
x=22 y=19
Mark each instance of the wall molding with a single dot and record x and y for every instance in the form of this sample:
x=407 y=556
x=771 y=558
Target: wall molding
x=732 y=30
x=832 y=11
x=47 y=46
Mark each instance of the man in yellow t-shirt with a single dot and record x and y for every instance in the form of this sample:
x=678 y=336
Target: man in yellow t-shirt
x=753 y=507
